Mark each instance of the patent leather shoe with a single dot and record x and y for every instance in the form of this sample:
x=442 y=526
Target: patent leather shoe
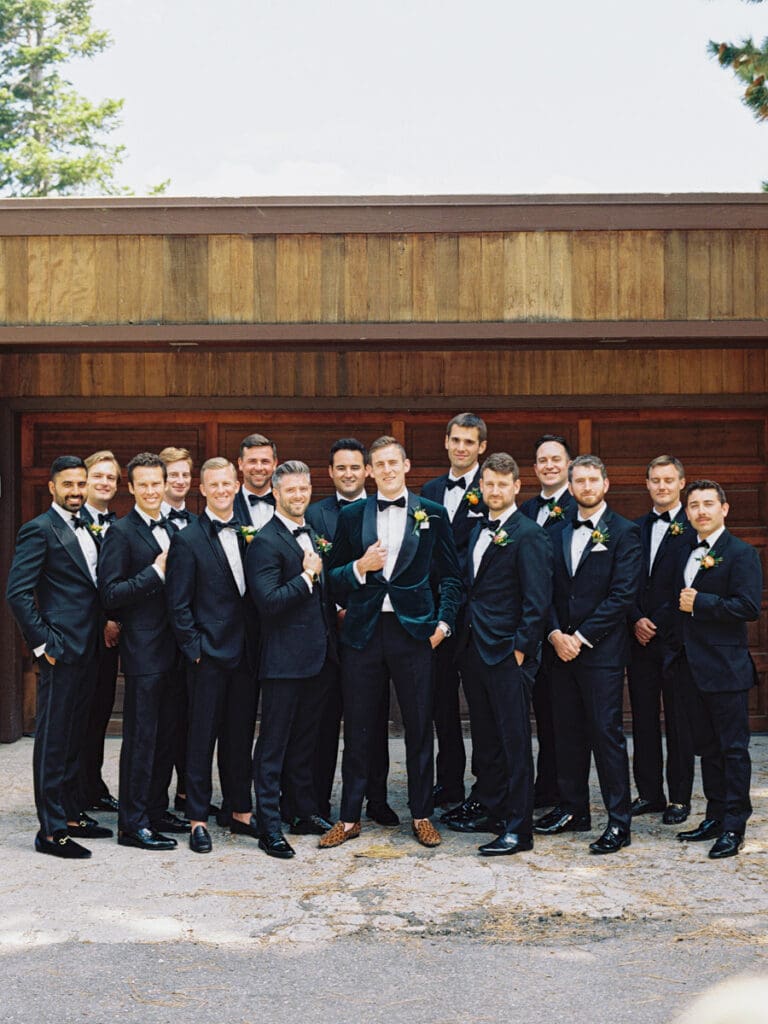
x=447 y=797
x=469 y=808
x=314 y=825
x=274 y=844
x=561 y=820
x=107 y=804
x=168 y=822
x=612 y=840
x=728 y=845
x=61 y=845
x=643 y=806
x=200 y=840
x=382 y=814
x=676 y=814
x=484 y=822
x=710 y=828
x=505 y=844
x=146 y=839
x=244 y=828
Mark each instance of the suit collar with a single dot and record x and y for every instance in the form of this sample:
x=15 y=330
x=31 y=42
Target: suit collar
x=69 y=541
x=509 y=525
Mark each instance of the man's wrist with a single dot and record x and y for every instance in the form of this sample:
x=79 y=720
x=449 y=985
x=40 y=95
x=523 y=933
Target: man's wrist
x=446 y=629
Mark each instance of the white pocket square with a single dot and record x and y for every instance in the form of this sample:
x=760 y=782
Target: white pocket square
x=599 y=547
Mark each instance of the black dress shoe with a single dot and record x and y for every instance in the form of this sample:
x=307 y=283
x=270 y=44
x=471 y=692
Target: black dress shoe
x=146 y=839
x=484 y=822
x=200 y=840
x=107 y=803
x=506 y=843
x=382 y=814
x=612 y=840
x=728 y=845
x=171 y=823
x=244 y=828
x=560 y=820
x=61 y=845
x=274 y=844
x=643 y=806
x=470 y=808
x=710 y=828
x=447 y=796
x=88 y=828
x=676 y=814
x=315 y=825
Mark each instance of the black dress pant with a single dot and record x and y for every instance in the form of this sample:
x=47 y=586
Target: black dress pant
x=222 y=706
x=649 y=684
x=499 y=698
x=719 y=725
x=291 y=710
x=451 y=758
x=545 y=787
x=588 y=717
x=64 y=694
x=102 y=703
x=391 y=653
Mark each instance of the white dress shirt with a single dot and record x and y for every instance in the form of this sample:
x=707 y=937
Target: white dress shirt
x=543 y=513
x=692 y=565
x=94 y=514
x=165 y=510
x=85 y=539
x=261 y=511
x=453 y=498
x=229 y=542
x=486 y=538
x=659 y=530
x=581 y=537
x=160 y=534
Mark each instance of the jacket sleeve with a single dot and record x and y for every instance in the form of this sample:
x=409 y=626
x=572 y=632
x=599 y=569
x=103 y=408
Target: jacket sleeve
x=264 y=571
x=117 y=588
x=180 y=583
x=24 y=576
x=745 y=585
x=448 y=574
x=612 y=610
x=535 y=564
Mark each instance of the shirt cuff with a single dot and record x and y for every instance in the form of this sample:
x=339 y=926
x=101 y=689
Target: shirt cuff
x=308 y=580
x=159 y=571
x=360 y=577
x=583 y=639
x=39 y=651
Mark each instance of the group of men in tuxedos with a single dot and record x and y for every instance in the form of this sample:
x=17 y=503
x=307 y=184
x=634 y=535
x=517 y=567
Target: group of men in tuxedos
x=318 y=608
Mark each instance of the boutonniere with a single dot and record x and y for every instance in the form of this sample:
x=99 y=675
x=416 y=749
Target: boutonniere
x=600 y=536
x=709 y=561
x=247 y=532
x=96 y=529
x=676 y=527
x=555 y=511
x=501 y=538
x=422 y=517
x=473 y=496
x=323 y=545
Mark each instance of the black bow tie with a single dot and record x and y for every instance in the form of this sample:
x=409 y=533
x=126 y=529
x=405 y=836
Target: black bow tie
x=383 y=504
x=179 y=513
x=541 y=501
x=584 y=522
x=341 y=502
x=77 y=522
x=218 y=526
x=254 y=499
x=491 y=524
x=107 y=517
x=159 y=522
x=702 y=544
x=450 y=484
x=301 y=529
x=662 y=517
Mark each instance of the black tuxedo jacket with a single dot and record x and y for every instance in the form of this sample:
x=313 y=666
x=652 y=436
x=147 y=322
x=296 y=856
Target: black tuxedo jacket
x=297 y=625
x=208 y=615
x=323 y=516
x=50 y=590
x=131 y=588
x=657 y=597
x=424 y=553
x=466 y=517
x=596 y=598
x=530 y=509
x=508 y=600
x=242 y=508
x=715 y=635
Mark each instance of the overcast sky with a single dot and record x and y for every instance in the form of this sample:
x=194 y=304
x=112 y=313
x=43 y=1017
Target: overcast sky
x=302 y=97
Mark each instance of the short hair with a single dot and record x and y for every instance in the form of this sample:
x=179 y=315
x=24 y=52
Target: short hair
x=385 y=441
x=468 y=419
x=257 y=441
x=501 y=462
x=591 y=461
x=63 y=462
x=217 y=462
x=665 y=460
x=704 y=485
x=169 y=455
x=290 y=468
x=551 y=439
x=145 y=460
x=348 y=444
x=104 y=456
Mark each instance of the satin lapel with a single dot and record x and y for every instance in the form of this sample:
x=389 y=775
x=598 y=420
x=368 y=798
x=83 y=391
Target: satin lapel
x=369 y=532
x=69 y=541
x=718 y=551
x=667 y=538
x=602 y=525
x=473 y=539
x=493 y=549
x=645 y=539
x=410 y=544
x=144 y=532
x=566 y=538
x=218 y=551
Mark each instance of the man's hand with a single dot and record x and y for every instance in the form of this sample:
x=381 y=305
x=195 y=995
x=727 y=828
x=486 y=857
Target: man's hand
x=375 y=558
x=645 y=631
x=566 y=647
x=519 y=658
x=437 y=637
x=49 y=659
x=313 y=563
x=687 y=597
x=111 y=634
x=161 y=560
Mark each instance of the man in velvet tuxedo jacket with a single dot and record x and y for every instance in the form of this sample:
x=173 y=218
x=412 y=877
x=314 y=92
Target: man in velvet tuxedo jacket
x=215 y=628
x=52 y=594
x=509 y=591
x=132 y=586
x=664 y=533
x=297 y=661
x=347 y=469
x=597 y=571
x=384 y=553
x=465 y=441
x=255 y=502
x=551 y=509
x=720 y=590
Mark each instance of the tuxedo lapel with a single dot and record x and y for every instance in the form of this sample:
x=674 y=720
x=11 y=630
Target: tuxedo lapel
x=602 y=526
x=219 y=553
x=493 y=549
x=717 y=550
x=66 y=536
x=410 y=543
x=146 y=534
x=475 y=536
x=566 y=538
